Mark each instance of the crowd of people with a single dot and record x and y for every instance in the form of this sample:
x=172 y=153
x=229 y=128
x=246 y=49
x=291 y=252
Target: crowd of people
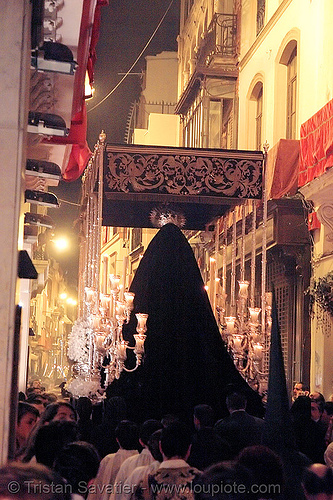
x=75 y=449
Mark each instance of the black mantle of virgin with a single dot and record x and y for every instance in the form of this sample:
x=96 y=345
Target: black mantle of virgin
x=186 y=362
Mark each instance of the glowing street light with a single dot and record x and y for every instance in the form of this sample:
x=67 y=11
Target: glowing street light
x=61 y=243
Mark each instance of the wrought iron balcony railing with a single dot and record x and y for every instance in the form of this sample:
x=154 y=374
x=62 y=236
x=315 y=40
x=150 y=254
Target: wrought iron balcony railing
x=220 y=38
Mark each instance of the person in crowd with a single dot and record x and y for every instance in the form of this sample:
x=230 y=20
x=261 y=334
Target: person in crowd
x=50 y=440
x=329 y=432
x=168 y=419
x=78 y=463
x=144 y=458
x=103 y=435
x=300 y=389
x=207 y=446
x=317 y=482
x=127 y=436
x=174 y=471
x=22 y=396
x=309 y=439
x=239 y=429
x=27 y=416
x=224 y=481
x=60 y=411
x=64 y=412
x=140 y=474
x=49 y=398
x=85 y=424
x=31 y=482
x=266 y=470
x=328 y=456
x=317 y=411
x=38 y=402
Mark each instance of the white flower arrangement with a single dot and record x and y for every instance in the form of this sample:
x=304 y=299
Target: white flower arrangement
x=79 y=387
x=78 y=341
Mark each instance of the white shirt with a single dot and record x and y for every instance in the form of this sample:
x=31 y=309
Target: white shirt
x=107 y=472
x=134 y=479
x=126 y=469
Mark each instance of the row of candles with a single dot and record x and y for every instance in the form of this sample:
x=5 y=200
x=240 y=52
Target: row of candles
x=108 y=313
x=246 y=329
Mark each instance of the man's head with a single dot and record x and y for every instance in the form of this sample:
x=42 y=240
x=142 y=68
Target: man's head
x=203 y=416
x=127 y=435
x=50 y=439
x=78 y=463
x=317 y=482
x=317 y=405
x=154 y=445
x=236 y=401
x=37 y=402
x=147 y=429
x=175 y=441
x=317 y=396
x=27 y=416
x=31 y=482
x=300 y=390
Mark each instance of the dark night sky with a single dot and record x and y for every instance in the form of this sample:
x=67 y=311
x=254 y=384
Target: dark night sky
x=126 y=27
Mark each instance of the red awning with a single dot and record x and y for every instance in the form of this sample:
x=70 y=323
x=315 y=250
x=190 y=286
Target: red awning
x=316 y=145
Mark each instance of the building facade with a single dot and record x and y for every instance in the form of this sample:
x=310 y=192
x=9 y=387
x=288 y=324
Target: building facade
x=45 y=54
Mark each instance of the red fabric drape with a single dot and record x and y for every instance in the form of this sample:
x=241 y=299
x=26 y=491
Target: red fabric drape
x=80 y=152
x=316 y=145
x=89 y=33
x=282 y=168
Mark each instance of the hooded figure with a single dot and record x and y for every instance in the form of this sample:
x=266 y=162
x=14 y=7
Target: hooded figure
x=186 y=361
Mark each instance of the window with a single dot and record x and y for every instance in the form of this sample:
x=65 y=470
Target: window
x=227 y=124
x=136 y=241
x=291 y=95
x=208 y=122
x=259 y=119
x=215 y=122
x=193 y=120
x=260 y=15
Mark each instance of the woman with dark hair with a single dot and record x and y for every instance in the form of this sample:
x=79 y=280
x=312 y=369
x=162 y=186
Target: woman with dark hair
x=27 y=416
x=59 y=411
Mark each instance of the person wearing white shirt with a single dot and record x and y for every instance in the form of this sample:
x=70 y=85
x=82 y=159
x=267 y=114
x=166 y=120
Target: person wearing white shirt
x=127 y=434
x=139 y=474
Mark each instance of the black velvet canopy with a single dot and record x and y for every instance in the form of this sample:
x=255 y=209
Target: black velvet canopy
x=186 y=362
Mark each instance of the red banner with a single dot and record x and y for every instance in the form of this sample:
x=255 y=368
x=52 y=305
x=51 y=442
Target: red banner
x=316 y=145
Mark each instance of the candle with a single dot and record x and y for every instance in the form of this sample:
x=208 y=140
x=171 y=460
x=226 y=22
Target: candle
x=257 y=352
x=89 y=294
x=142 y=319
x=139 y=343
x=96 y=321
x=121 y=349
x=230 y=322
x=238 y=343
x=129 y=299
x=105 y=301
x=254 y=315
x=114 y=281
x=243 y=286
x=99 y=340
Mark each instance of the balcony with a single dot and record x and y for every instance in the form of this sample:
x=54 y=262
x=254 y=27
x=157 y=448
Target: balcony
x=220 y=40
